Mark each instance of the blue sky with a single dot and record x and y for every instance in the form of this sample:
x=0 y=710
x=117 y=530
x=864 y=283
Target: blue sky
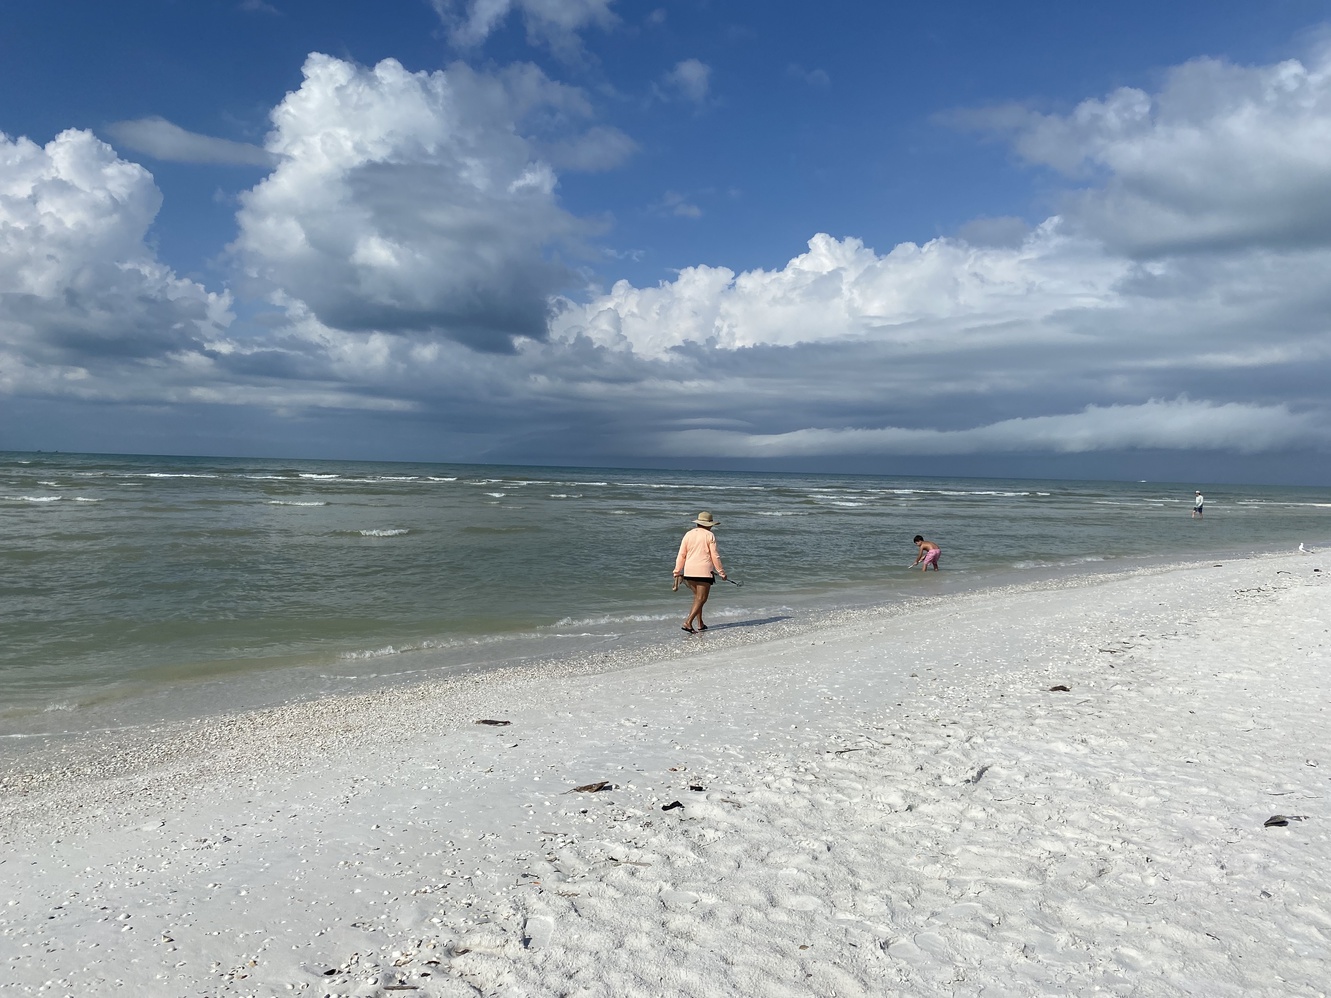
x=967 y=238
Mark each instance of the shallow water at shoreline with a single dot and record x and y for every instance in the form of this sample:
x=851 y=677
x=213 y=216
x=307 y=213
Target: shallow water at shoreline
x=156 y=588
x=112 y=736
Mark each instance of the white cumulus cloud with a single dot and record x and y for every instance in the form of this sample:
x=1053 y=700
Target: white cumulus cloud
x=85 y=306
x=412 y=202
x=690 y=78
x=1222 y=156
x=554 y=23
x=1187 y=266
x=945 y=291
x=1055 y=345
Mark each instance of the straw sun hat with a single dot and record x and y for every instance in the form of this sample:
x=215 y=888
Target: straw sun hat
x=705 y=520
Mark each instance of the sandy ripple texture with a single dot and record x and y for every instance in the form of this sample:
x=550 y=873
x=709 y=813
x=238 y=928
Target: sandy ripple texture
x=903 y=803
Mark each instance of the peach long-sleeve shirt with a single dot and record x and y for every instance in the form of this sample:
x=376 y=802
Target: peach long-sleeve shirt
x=698 y=555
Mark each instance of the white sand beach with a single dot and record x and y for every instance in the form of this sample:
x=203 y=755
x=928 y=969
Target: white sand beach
x=903 y=802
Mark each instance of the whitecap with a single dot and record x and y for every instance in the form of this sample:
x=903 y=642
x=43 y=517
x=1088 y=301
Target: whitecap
x=395 y=532
x=1066 y=563
x=691 y=488
x=383 y=652
x=601 y=621
x=1275 y=502
x=289 y=502
x=33 y=498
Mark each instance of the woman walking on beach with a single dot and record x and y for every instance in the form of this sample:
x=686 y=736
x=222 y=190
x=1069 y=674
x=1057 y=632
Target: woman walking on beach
x=694 y=564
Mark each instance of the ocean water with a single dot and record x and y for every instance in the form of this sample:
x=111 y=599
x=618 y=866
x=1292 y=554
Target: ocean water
x=136 y=589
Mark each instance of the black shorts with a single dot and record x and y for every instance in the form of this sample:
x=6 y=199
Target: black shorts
x=697 y=581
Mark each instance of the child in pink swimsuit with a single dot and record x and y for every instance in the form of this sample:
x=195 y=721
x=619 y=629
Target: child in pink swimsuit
x=929 y=554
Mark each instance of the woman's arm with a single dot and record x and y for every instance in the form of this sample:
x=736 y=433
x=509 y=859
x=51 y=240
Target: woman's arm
x=715 y=554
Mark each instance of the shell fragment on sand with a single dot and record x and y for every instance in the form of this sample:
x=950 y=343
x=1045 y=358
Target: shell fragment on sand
x=591 y=788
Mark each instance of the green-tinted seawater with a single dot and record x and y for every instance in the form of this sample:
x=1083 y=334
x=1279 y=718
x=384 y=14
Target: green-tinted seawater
x=128 y=581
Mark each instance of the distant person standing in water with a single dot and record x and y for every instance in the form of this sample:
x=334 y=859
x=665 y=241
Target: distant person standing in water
x=1197 y=507
x=694 y=564
x=929 y=554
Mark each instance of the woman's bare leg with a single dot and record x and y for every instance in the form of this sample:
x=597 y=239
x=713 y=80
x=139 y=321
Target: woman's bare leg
x=701 y=591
